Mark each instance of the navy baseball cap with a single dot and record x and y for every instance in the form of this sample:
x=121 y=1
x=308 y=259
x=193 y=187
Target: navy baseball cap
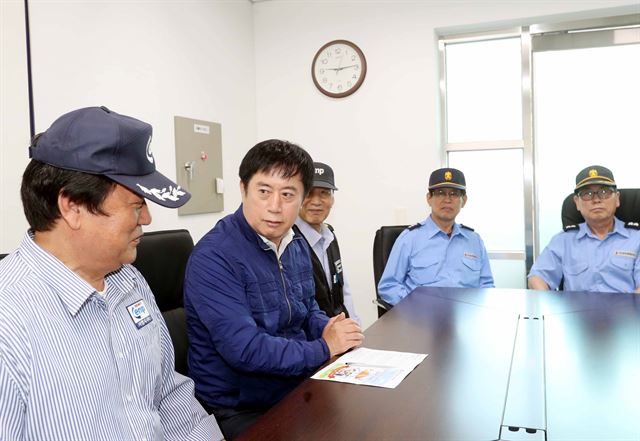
x=595 y=174
x=323 y=176
x=447 y=178
x=99 y=141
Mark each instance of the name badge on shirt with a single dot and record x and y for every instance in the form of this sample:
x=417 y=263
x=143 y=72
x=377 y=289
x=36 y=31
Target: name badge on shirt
x=139 y=314
x=470 y=255
x=625 y=253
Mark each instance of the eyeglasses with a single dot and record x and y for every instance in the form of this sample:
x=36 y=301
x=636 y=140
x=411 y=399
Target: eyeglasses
x=602 y=193
x=442 y=194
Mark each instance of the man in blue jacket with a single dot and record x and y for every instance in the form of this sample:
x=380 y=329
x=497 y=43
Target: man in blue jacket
x=255 y=329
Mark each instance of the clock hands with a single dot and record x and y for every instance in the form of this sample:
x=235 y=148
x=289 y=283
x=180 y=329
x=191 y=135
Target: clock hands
x=338 y=69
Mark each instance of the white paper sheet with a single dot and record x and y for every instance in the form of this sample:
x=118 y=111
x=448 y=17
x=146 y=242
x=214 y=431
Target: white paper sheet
x=371 y=367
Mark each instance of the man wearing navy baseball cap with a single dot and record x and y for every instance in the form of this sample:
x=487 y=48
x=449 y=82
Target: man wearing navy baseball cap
x=84 y=351
x=602 y=254
x=333 y=293
x=437 y=251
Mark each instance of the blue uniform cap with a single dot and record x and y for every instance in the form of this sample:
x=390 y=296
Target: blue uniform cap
x=447 y=178
x=98 y=141
x=593 y=175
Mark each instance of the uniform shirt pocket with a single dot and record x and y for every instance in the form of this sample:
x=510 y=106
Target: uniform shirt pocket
x=470 y=271
x=472 y=263
x=424 y=269
x=624 y=263
x=576 y=268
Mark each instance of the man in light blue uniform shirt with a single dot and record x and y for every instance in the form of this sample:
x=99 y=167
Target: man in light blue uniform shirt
x=84 y=351
x=601 y=254
x=437 y=251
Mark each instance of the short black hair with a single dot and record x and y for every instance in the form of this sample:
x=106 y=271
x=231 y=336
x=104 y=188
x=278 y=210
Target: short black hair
x=276 y=155
x=42 y=183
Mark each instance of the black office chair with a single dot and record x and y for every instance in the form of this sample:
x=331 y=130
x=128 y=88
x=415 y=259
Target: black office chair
x=162 y=260
x=628 y=211
x=2 y=256
x=382 y=245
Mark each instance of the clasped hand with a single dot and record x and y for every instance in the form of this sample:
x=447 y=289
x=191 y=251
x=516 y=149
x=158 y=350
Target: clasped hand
x=342 y=334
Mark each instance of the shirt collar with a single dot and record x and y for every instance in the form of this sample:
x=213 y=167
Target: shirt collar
x=433 y=228
x=618 y=228
x=286 y=240
x=72 y=290
x=312 y=235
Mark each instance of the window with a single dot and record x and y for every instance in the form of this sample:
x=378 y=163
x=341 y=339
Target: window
x=582 y=81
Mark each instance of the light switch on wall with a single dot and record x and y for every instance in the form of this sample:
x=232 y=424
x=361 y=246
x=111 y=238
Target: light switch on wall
x=219 y=186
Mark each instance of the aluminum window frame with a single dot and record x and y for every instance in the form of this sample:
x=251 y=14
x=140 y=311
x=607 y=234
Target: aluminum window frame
x=595 y=32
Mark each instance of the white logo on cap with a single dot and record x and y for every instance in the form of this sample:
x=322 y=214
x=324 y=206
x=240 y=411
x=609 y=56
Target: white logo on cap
x=173 y=194
x=149 y=154
x=320 y=171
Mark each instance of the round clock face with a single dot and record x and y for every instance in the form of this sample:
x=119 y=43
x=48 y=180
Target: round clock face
x=339 y=68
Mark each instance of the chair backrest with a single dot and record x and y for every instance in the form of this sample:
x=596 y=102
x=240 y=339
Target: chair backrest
x=162 y=260
x=382 y=245
x=628 y=211
x=2 y=256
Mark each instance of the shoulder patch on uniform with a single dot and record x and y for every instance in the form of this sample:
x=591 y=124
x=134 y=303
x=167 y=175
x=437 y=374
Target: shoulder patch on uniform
x=634 y=225
x=571 y=228
x=465 y=227
x=413 y=227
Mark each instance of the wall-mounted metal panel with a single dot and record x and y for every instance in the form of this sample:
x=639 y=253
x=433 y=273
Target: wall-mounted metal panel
x=199 y=164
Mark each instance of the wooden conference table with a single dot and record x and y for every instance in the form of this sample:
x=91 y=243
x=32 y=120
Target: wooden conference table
x=508 y=364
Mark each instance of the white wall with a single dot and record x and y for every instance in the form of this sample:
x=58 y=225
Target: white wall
x=247 y=66
x=150 y=60
x=14 y=121
x=381 y=141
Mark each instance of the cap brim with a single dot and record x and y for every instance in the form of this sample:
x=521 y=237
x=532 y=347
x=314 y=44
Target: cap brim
x=448 y=185
x=156 y=187
x=595 y=181
x=323 y=184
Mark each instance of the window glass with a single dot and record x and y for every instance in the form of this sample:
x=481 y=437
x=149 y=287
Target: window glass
x=508 y=273
x=585 y=112
x=484 y=91
x=495 y=204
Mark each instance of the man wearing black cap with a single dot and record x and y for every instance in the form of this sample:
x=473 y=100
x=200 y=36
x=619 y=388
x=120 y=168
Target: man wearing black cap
x=84 y=351
x=437 y=251
x=601 y=254
x=333 y=293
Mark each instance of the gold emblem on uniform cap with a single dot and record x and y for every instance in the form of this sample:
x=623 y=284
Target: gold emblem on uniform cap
x=448 y=176
x=593 y=173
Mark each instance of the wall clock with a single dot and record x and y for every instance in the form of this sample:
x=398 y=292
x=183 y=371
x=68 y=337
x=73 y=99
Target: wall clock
x=339 y=68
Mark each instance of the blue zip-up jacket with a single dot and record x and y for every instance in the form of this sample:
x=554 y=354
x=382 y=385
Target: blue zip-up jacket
x=254 y=325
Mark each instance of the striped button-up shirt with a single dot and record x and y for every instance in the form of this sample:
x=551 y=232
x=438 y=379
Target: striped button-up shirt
x=77 y=365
